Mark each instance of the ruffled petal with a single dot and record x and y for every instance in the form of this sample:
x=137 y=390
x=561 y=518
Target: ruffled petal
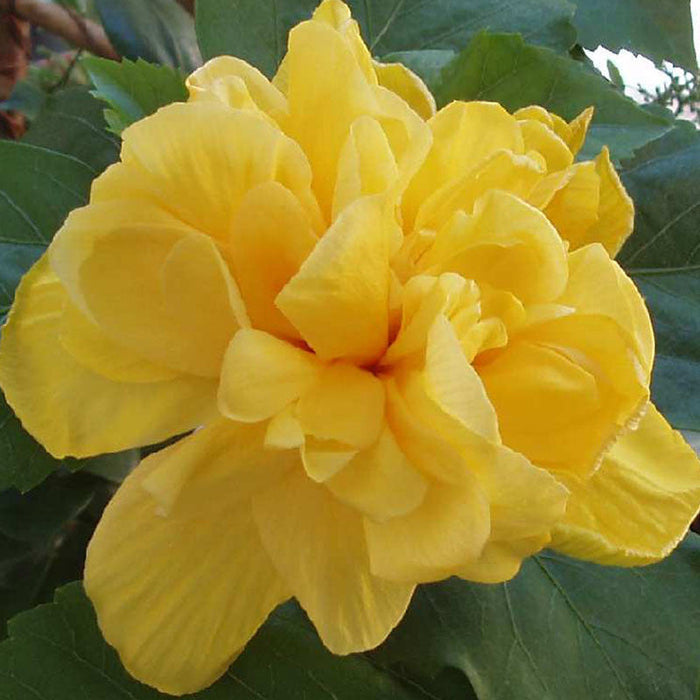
x=339 y=299
x=639 y=504
x=237 y=84
x=201 y=179
x=42 y=380
x=318 y=546
x=408 y=86
x=180 y=590
x=262 y=375
x=616 y=212
x=507 y=244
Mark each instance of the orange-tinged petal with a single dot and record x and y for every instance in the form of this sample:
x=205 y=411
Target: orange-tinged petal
x=237 y=84
x=345 y=404
x=380 y=481
x=318 y=546
x=151 y=283
x=639 y=504
x=201 y=179
x=262 y=375
x=43 y=380
x=270 y=239
x=179 y=592
x=339 y=299
x=408 y=86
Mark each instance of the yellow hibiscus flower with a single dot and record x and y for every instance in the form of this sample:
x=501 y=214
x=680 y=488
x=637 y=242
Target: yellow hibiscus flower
x=398 y=336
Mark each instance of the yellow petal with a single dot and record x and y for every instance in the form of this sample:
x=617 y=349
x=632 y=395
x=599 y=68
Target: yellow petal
x=598 y=285
x=323 y=459
x=178 y=626
x=565 y=389
x=270 y=239
x=538 y=137
x=261 y=375
x=450 y=527
x=318 y=546
x=284 y=431
x=345 y=404
x=41 y=381
x=88 y=344
x=508 y=245
x=150 y=283
x=578 y=128
x=639 y=504
x=407 y=85
x=320 y=114
x=201 y=179
x=616 y=213
x=337 y=15
x=504 y=170
x=501 y=560
x=464 y=135
x=380 y=481
x=237 y=84
x=573 y=209
x=339 y=300
x=367 y=164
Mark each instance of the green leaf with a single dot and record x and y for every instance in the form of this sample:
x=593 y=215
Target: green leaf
x=659 y=29
x=159 y=31
x=503 y=68
x=38 y=188
x=256 y=30
x=562 y=629
x=133 y=89
x=42 y=540
x=71 y=122
x=663 y=257
x=285 y=661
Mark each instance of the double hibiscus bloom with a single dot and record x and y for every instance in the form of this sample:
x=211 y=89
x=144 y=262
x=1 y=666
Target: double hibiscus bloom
x=399 y=336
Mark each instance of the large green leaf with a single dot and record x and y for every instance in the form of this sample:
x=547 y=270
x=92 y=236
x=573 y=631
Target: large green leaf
x=256 y=30
x=133 y=89
x=43 y=536
x=505 y=69
x=285 y=661
x=563 y=629
x=663 y=257
x=159 y=31
x=38 y=188
x=659 y=29
x=71 y=122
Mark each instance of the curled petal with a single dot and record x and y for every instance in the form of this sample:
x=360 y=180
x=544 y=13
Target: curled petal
x=639 y=504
